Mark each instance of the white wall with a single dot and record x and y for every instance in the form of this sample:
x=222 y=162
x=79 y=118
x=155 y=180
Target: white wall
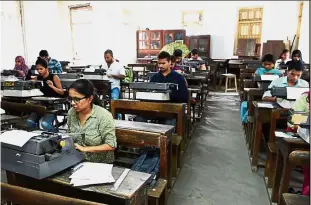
x=11 y=38
x=304 y=33
x=48 y=25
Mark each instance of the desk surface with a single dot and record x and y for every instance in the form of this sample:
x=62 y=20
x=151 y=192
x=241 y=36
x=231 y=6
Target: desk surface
x=143 y=126
x=132 y=182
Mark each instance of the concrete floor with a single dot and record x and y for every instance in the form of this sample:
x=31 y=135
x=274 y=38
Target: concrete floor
x=216 y=168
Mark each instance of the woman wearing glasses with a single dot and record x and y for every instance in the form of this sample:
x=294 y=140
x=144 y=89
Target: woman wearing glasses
x=51 y=88
x=96 y=124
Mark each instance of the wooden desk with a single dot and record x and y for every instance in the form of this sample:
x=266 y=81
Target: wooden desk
x=140 y=133
x=258 y=113
x=283 y=167
x=252 y=94
x=132 y=191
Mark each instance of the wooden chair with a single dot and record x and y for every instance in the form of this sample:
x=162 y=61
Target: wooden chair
x=24 y=196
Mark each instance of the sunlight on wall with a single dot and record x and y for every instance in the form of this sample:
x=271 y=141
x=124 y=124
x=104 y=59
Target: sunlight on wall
x=304 y=33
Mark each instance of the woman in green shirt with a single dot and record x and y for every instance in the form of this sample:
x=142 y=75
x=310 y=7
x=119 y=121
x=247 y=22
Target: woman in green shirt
x=96 y=124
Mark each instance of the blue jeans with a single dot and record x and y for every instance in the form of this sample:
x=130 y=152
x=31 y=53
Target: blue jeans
x=165 y=121
x=46 y=122
x=115 y=94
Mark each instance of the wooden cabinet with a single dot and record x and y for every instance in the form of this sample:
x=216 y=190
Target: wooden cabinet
x=201 y=42
x=273 y=47
x=150 y=42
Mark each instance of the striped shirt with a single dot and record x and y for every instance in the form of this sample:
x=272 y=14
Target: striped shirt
x=55 y=66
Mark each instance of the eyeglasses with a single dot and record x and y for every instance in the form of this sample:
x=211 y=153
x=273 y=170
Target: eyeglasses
x=75 y=99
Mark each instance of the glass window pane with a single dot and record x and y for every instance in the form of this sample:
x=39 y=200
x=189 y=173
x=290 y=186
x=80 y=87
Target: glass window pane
x=143 y=45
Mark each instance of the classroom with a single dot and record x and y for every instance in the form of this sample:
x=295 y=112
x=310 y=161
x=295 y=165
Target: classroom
x=155 y=102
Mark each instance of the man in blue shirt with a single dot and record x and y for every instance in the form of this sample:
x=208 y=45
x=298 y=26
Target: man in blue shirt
x=53 y=64
x=295 y=69
x=167 y=75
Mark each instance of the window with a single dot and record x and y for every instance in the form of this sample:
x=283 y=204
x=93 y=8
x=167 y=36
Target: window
x=81 y=31
x=249 y=29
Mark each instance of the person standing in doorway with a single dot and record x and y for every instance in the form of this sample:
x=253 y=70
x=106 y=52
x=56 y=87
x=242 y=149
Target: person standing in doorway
x=115 y=73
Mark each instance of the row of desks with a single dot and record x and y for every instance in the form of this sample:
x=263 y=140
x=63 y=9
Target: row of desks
x=283 y=154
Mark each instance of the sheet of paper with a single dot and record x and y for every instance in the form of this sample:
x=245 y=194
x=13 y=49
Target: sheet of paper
x=299 y=118
x=283 y=135
x=2 y=111
x=90 y=69
x=285 y=103
x=89 y=173
x=269 y=77
x=304 y=134
x=265 y=105
x=294 y=93
x=16 y=137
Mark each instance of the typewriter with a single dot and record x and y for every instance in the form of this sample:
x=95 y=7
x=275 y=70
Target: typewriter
x=21 y=88
x=42 y=156
x=152 y=91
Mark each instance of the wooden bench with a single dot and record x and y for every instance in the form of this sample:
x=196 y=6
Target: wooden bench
x=294 y=199
x=156 y=110
x=24 y=196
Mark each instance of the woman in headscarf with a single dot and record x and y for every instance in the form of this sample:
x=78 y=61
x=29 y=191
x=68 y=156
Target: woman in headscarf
x=20 y=67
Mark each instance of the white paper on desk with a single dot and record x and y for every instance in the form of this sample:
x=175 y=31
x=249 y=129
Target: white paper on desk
x=269 y=77
x=285 y=103
x=2 y=111
x=293 y=93
x=16 y=137
x=90 y=69
x=92 y=173
x=265 y=105
x=283 y=135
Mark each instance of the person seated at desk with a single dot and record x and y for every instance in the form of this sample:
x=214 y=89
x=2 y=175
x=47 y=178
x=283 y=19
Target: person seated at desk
x=266 y=69
x=195 y=56
x=302 y=104
x=115 y=73
x=173 y=65
x=283 y=59
x=87 y=117
x=51 y=88
x=20 y=67
x=53 y=64
x=295 y=69
x=296 y=56
x=167 y=75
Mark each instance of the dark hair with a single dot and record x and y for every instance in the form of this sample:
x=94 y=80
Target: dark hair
x=195 y=51
x=86 y=88
x=43 y=53
x=177 y=53
x=297 y=52
x=283 y=52
x=109 y=52
x=42 y=62
x=173 y=59
x=295 y=65
x=268 y=58
x=164 y=55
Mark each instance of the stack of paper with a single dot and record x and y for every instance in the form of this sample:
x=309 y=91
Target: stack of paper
x=283 y=135
x=88 y=173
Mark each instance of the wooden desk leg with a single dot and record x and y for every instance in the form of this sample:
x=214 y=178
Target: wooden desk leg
x=256 y=142
x=286 y=175
x=165 y=159
x=277 y=177
x=272 y=170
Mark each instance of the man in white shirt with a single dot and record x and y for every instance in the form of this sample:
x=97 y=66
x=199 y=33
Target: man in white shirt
x=115 y=73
